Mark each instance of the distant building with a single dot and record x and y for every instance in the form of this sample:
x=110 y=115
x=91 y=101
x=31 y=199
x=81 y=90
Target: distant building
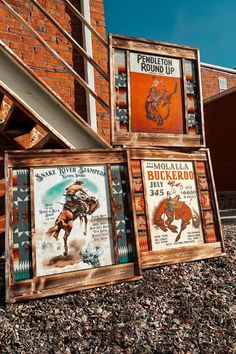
x=220 y=126
x=219 y=93
x=216 y=79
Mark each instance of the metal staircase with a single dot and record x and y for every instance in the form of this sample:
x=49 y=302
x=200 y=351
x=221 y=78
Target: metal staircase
x=45 y=120
x=22 y=86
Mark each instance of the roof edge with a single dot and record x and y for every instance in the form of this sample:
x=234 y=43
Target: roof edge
x=220 y=95
x=151 y=41
x=218 y=68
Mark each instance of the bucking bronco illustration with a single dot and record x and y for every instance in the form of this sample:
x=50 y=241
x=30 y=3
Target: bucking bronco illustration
x=77 y=204
x=174 y=209
x=158 y=102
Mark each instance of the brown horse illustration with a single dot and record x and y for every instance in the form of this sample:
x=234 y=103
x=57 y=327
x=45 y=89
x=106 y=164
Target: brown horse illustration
x=158 y=102
x=71 y=211
x=174 y=209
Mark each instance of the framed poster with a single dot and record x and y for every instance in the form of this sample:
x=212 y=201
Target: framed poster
x=73 y=200
x=175 y=207
x=156 y=95
x=68 y=222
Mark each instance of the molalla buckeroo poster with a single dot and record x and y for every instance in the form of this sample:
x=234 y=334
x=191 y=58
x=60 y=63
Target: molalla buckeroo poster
x=172 y=204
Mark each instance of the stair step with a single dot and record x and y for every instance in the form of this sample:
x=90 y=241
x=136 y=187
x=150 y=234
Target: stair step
x=32 y=138
x=5 y=109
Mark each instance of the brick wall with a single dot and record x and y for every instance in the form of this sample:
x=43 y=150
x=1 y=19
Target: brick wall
x=210 y=81
x=41 y=61
x=32 y=52
x=100 y=54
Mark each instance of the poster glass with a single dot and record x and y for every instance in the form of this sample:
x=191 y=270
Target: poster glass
x=172 y=204
x=156 y=94
x=73 y=224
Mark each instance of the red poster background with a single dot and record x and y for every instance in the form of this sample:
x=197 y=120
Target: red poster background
x=140 y=88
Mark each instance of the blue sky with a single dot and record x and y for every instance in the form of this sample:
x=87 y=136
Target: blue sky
x=209 y=25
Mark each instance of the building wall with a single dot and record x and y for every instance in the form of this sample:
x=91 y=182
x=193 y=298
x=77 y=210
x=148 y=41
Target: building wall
x=220 y=126
x=210 y=80
x=101 y=56
x=31 y=51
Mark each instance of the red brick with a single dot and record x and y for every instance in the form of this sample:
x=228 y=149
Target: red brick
x=3 y=27
x=4 y=13
x=11 y=22
x=51 y=60
x=11 y=37
x=210 y=80
x=30 y=40
x=63 y=91
x=33 y=64
x=40 y=73
x=40 y=50
x=33 y=56
x=57 y=74
x=18 y=30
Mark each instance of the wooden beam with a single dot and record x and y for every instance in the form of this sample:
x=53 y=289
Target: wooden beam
x=86 y=23
x=72 y=40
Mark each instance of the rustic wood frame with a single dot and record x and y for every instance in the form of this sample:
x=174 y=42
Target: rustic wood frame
x=42 y=286
x=150 y=258
x=143 y=139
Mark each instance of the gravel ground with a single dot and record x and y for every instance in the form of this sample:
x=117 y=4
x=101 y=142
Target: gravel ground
x=186 y=308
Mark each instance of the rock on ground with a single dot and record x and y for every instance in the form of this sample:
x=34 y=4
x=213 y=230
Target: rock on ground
x=186 y=309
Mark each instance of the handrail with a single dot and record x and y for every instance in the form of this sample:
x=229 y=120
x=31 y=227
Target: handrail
x=72 y=40
x=86 y=23
x=57 y=56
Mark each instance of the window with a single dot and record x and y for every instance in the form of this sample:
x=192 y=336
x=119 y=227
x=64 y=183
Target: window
x=223 y=85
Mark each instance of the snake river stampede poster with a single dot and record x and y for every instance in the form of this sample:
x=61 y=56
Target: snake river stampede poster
x=73 y=228
x=156 y=94
x=172 y=204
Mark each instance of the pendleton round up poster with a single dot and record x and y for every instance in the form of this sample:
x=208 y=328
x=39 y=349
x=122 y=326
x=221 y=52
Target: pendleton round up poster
x=172 y=204
x=73 y=228
x=156 y=94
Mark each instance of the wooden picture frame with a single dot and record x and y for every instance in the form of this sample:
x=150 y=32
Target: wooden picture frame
x=175 y=207
x=47 y=192
x=156 y=96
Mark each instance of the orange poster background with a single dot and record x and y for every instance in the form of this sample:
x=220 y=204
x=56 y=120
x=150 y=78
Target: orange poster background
x=140 y=87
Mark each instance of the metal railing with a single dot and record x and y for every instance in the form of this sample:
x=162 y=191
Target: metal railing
x=68 y=36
